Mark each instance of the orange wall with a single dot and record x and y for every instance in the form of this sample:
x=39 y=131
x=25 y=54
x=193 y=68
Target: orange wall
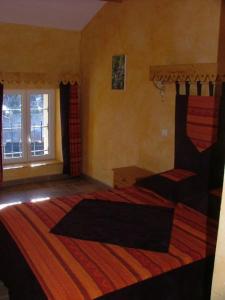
x=34 y=49
x=123 y=128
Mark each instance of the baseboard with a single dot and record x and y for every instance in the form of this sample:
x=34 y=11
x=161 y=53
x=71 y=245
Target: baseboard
x=89 y=178
x=35 y=180
x=46 y=178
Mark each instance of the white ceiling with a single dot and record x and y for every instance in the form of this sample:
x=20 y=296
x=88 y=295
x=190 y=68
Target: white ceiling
x=63 y=14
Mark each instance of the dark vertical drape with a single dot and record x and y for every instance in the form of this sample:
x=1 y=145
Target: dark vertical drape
x=64 y=110
x=211 y=88
x=1 y=103
x=218 y=155
x=199 y=88
x=70 y=127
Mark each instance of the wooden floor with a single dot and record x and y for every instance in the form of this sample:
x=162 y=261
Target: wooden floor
x=52 y=188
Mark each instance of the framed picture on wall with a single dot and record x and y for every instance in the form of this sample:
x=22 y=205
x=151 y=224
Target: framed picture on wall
x=118 y=72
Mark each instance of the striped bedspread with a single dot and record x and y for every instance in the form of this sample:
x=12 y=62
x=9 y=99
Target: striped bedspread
x=68 y=268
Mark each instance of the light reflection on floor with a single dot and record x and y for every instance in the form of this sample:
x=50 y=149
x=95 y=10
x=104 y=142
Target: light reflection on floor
x=34 y=200
x=46 y=190
x=2 y=206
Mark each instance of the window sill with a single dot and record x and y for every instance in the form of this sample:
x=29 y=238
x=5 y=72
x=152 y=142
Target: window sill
x=30 y=164
x=32 y=169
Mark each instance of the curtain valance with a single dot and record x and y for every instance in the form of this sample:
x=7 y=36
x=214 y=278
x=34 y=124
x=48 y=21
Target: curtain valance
x=37 y=79
x=204 y=72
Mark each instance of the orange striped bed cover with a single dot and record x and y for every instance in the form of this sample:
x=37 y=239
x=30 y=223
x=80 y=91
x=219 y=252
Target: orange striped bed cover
x=68 y=268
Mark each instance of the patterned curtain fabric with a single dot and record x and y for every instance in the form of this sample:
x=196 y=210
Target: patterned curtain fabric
x=74 y=132
x=70 y=124
x=1 y=103
x=202 y=121
x=199 y=135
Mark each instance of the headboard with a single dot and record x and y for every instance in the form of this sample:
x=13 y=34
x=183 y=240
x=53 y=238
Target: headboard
x=209 y=162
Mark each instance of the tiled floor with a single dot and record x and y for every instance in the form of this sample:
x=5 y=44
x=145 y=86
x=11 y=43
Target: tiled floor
x=53 y=188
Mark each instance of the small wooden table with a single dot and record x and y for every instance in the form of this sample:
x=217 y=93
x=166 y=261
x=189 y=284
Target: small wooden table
x=127 y=176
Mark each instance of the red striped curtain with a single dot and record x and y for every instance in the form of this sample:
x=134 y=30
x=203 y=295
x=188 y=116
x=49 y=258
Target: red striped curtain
x=74 y=132
x=1 y=103
x=71 y=131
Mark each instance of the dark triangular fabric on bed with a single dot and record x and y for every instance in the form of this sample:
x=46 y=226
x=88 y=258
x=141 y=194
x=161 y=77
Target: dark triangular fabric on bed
x=125 y=224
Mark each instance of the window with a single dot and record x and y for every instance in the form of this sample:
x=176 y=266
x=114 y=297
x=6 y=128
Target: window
x=28 y=125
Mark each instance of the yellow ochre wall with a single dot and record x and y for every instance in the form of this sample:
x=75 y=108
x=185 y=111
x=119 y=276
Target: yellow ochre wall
x=33 y=49
x=123 y=128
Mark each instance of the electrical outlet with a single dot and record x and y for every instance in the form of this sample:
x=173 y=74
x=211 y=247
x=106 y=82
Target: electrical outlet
x=164 y=132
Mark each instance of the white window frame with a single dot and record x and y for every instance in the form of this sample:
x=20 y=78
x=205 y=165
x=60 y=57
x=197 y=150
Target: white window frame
x=26 y=126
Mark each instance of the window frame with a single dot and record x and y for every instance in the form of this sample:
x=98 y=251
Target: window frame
x=26 y=126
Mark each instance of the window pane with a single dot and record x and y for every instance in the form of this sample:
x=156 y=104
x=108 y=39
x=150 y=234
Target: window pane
x=12 y=126
x=39 y=104
x=36 y=101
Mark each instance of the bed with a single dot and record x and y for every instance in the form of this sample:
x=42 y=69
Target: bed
x=166 y=253
x=39 y=264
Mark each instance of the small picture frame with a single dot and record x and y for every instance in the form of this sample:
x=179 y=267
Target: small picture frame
x=118 y=72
